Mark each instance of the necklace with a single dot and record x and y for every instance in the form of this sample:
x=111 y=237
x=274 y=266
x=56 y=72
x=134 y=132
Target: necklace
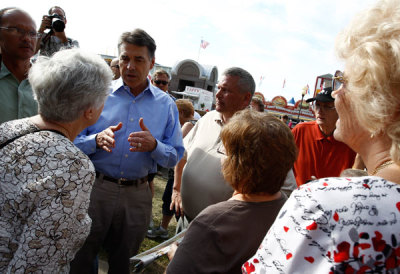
x=382 y=166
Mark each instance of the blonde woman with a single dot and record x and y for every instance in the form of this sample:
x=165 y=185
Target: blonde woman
x=351 y=225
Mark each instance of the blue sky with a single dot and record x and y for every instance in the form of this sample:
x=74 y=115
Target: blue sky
x=277 y=39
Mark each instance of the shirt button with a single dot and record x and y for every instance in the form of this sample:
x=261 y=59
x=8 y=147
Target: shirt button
x=131 y=119
x=122 y=173
x=133 y=101
x=126 y=155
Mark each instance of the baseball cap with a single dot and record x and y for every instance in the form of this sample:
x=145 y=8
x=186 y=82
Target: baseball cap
x=323 y=96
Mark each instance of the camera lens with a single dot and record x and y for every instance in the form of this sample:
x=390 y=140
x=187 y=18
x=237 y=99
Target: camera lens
x=58 y=25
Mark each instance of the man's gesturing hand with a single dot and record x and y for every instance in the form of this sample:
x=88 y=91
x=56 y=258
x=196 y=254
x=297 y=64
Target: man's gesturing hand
x=142 y=141
x=105 y=139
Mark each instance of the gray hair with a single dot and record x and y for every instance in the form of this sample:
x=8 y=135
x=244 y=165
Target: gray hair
x=246 y=82
x=68 y=83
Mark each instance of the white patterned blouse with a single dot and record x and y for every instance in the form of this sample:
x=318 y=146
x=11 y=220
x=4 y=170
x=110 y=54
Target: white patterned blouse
x=45 y=186
x=334 y=225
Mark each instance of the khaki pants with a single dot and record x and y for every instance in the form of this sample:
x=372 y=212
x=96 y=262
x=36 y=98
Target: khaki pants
x=120 y=218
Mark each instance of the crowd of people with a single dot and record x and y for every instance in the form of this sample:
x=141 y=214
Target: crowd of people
x=81 y=141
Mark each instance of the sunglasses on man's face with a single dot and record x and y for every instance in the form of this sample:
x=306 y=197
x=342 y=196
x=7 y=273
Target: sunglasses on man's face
x=337 y=80
x=159 y=82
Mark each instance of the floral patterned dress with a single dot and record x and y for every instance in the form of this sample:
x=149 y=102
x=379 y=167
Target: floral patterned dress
x=45 y=186
x=334 y=225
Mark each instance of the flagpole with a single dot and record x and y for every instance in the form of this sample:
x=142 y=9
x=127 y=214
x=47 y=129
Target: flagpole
x=198 y=55
x=259 y=84
x=301 y=103
x=284 y=83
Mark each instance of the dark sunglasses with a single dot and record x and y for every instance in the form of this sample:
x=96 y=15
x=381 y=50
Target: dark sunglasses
x=115 y=66
x=337 y=80
x=159 y=82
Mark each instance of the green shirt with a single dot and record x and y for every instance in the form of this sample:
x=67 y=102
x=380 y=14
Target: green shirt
x=16 y=98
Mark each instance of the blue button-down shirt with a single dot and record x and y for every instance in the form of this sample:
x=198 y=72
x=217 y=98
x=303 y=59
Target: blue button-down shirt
x=161 y=117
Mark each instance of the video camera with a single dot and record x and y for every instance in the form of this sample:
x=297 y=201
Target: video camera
x=57 y=22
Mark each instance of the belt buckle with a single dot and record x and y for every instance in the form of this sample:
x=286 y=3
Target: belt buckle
x=120 y=180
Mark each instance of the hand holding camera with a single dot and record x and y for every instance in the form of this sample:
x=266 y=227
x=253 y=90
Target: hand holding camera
x=54 y=22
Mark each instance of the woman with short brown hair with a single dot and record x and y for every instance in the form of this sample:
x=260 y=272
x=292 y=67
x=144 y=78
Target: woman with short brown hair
x=260 y=150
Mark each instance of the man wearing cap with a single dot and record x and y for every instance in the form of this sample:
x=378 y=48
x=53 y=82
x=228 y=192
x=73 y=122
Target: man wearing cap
x=320 y=155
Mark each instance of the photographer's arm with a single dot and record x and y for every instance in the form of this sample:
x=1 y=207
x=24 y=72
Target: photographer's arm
x=46 y=23
x=61 y=35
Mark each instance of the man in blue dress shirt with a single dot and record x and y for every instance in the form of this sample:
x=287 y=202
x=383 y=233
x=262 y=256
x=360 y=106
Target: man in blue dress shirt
x=138 y=129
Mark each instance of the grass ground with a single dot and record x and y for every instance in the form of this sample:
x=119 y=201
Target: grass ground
x=159 y=265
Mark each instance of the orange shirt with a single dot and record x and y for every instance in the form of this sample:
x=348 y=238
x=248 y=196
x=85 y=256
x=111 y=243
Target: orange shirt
x=319 y=155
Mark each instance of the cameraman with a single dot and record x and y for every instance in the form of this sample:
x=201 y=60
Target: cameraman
x=55 y=39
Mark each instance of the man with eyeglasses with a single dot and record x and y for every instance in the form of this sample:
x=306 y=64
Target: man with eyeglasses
x=320 y=155
x=55 y=39
x=18 y=39
x=115 y=68
x=161 y=80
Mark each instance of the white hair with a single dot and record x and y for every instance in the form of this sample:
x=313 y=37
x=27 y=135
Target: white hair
x=68 y=83
x=370 y=46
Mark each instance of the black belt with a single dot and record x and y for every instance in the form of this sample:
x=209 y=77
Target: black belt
x=122 y=181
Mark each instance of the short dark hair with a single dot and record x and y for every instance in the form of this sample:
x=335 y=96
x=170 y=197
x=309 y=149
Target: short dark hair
x=160 y=72
x=138 y=37
x=258 y=146
x=57 y=7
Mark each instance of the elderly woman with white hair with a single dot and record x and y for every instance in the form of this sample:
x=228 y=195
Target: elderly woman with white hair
x=351 y=225
x=46 y=180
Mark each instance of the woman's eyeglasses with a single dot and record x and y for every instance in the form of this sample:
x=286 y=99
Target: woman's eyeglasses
x=338 y=80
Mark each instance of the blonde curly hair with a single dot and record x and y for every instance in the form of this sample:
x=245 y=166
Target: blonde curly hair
x=370 y=46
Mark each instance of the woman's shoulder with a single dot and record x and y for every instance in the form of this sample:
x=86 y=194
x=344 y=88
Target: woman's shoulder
x=44 y=147
x=14 y=128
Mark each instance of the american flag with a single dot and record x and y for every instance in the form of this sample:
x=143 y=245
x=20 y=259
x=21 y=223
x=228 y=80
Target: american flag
x=204 y=44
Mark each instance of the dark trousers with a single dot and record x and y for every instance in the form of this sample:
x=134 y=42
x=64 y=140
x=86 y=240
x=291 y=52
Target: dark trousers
x=120 y=218
x=167 y=198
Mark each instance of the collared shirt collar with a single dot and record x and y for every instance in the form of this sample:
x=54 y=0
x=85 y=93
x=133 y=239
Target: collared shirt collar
x=3 y=70
x=218 y=119
x=321 y=136
x=119 y=83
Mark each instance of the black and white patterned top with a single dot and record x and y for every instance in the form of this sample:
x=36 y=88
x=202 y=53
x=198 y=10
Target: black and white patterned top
x=45 y=186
